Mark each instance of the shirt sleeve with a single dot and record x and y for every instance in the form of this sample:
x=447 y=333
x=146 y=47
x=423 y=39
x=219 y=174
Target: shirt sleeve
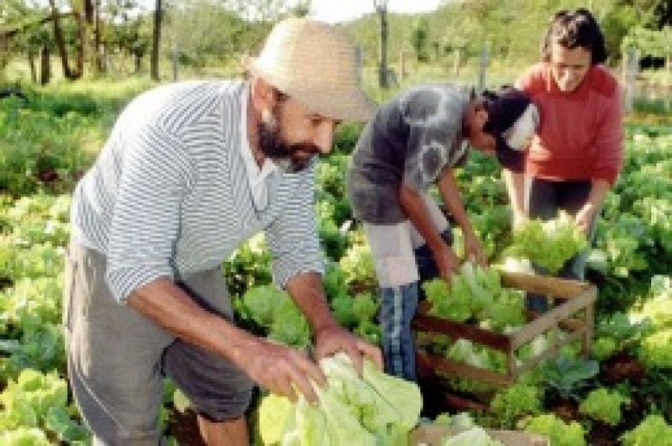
x=609 y=139
x=292 y=238
x=144 y=230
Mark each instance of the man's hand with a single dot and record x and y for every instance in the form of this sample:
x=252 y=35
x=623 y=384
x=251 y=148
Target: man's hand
x=282 y=370
x=473 y=250
x=446 y=260
x=332 y=339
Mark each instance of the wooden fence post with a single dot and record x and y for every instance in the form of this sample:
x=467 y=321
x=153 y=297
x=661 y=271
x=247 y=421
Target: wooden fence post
x=630 y=69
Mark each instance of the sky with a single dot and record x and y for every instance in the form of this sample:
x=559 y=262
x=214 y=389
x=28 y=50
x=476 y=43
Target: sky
x=334 y=11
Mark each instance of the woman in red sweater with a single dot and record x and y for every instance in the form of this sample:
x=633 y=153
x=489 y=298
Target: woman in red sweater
x=577 y=152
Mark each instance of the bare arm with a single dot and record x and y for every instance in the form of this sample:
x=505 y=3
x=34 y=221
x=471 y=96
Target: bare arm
x=308 y=293
x=271 y=365
x=586 y=214
x=450 y=193
x=414 y=206
x=515 y=186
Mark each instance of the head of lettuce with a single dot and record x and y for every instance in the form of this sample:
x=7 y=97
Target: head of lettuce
x=371 y=409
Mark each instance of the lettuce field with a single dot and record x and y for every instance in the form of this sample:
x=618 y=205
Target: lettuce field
x=620 y=394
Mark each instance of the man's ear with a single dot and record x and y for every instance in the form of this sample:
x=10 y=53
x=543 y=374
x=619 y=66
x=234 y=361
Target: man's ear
x=263 y=94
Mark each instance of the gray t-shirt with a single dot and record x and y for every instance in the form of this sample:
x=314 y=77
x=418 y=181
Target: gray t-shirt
x=412 y=140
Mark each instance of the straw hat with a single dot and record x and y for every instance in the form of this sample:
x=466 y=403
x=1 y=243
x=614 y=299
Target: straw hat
x=315 y=63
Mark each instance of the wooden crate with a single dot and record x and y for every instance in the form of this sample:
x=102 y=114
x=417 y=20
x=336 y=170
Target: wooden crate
x=432 y=435
x=573 y=316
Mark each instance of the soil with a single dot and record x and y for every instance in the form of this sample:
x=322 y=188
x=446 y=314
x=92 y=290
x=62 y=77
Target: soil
x=622 y=367
x=567 y=410
x=602 y=434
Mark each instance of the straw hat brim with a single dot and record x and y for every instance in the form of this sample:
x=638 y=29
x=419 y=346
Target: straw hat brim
x=347 y=104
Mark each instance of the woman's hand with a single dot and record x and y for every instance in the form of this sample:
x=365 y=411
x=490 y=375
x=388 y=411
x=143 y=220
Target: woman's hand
x=585 y=217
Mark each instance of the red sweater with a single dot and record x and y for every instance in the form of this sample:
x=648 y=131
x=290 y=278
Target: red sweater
x=581 y=132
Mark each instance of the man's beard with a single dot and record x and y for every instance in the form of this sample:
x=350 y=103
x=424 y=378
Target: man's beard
x=273 y=144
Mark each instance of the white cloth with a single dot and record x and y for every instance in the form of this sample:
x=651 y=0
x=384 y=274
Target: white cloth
x=392 y=247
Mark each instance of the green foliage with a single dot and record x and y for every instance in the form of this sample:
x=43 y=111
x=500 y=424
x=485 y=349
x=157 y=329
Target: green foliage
x=559 y=432
x=419 y=38
x=652 y=430
x=357 y=265
x=604 y=405
x=650 y=42
x=248 y=266
x=616 y=333
x=275 y=315
x=515 y=402
x=38 y=401
x=568 y=376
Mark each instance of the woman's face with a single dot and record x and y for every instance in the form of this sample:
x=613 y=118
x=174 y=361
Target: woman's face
x=569 y=66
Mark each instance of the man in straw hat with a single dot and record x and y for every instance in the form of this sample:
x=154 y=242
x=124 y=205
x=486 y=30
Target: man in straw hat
x=189 y=172
x=413 y=143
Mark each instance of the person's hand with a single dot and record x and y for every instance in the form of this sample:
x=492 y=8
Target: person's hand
x=283 y=370
x=332 y=339
x=473 y=249
x=447 y=262
x=584 y=217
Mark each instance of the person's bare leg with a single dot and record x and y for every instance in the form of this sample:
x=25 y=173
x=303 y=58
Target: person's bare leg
x=224 y=433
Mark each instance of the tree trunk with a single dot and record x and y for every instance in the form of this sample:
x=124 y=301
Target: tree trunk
x=33 y=67
x=156 y=40
x=60 y=44
x=45 y=66
x=81 y=47
x=382 y=65
x=97 y=41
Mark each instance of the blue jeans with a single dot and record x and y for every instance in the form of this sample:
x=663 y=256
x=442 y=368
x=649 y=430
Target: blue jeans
x=398 y=305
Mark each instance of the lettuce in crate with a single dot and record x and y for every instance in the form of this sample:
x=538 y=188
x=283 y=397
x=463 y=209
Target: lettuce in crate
x=475 y=293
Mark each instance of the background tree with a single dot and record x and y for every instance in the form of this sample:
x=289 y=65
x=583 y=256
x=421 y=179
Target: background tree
x=420 y=38
x=156 y=39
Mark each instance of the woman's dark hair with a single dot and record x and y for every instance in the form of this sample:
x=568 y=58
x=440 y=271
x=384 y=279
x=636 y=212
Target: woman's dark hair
x=573 y=29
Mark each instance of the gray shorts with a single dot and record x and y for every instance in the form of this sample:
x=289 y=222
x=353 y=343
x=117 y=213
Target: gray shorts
x=117 y=358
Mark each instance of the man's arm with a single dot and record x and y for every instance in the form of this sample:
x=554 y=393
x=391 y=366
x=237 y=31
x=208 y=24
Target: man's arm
x=273 y=366
x=414 y=207
x=308 y=293
x=450 y=193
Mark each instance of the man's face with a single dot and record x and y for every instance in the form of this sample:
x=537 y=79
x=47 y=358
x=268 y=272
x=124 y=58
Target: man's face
x=569 y=66
x=290 y=135
x=479 y=139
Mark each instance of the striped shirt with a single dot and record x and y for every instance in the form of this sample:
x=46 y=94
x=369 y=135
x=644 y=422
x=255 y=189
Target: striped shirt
x=169 y=194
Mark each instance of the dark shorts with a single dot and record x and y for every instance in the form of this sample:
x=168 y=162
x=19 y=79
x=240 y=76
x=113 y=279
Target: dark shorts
x=117 y=358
